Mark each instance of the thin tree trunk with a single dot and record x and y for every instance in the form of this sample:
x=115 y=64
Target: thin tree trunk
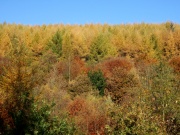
x=69 y=69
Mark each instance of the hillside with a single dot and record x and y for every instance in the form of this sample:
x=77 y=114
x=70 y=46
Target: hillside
x=90 y=79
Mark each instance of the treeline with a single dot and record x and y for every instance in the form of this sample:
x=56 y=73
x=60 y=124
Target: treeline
x=90 y=79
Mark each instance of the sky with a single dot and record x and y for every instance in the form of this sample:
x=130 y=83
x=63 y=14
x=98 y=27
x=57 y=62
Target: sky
x=39 y=12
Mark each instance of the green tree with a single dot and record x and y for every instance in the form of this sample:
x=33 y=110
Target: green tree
x=162 y=88
x=101 y=48
x=97 y=79
x=55 y=44
x=160 y=80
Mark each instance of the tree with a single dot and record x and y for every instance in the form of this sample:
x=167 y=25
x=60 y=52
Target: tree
x=97 y=79
x=68 y=51
x=120 y=85
x=160 y=81
x=55 y=44
x=17 y=82
x=5 y=44
x=101 y=48
x=170 y=26
x=109 y=65
x=19 y=113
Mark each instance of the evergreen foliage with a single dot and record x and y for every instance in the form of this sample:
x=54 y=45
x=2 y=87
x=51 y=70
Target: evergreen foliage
x=97 y=79
x=55 y=44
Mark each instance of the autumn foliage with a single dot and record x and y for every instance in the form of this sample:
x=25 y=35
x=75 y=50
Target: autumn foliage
x=5 y=119
x=175 y=63
x=109 y=65
x=89 y=119
x=76 y=67
x=90 y=79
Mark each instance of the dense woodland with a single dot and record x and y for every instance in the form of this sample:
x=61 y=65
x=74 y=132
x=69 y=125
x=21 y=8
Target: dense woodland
x=90 y=79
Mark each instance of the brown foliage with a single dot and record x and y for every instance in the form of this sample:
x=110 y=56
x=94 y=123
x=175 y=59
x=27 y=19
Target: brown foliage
x=109 y=65
x=81 y=85
x=120 y=84
x=61 y=67
x=119 y=78
x=5 y=119
x=175 y=63
x=172 y=125
x=77 y=66
x=3 y=63
x=76 y=106
x=88 y=118
x=55 y=90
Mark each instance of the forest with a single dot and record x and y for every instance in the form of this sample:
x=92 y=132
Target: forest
x=91 y=79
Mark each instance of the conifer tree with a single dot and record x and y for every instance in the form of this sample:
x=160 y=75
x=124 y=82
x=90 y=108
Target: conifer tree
x=97 y=79
x=55 y=44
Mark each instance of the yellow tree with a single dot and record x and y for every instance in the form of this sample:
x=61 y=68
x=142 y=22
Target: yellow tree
x=67 y=51
x=5 y=44
x=17 y=82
